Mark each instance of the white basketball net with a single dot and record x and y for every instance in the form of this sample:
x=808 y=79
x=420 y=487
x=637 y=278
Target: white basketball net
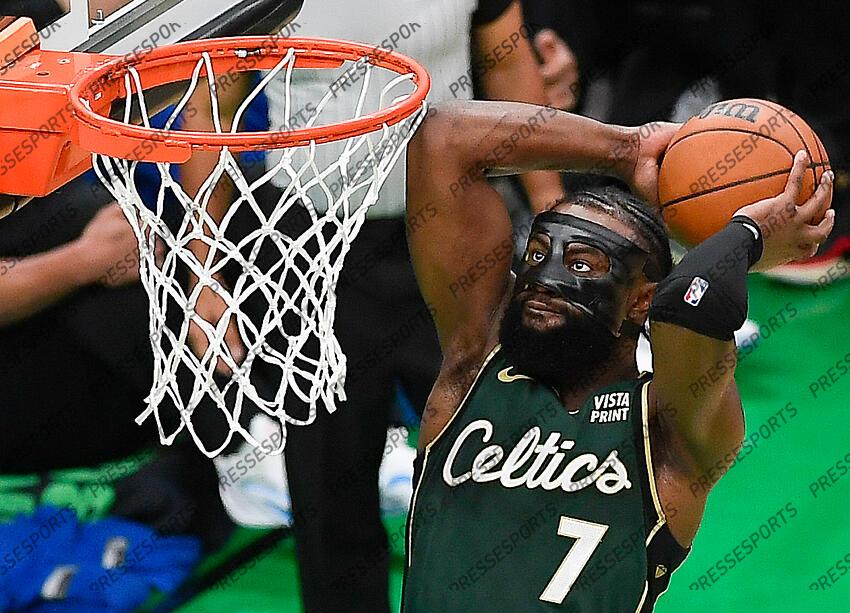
x=308 y=364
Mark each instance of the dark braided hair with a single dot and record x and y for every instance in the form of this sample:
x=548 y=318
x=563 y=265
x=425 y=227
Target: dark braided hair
x=624 y=206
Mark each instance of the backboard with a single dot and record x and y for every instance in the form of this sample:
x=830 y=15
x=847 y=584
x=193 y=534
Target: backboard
x=120 y=26
x=123 y=27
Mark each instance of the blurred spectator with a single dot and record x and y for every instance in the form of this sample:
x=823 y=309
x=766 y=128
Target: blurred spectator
x=76 y=357
x=635 y=59
x=344 y=563
x=559 y=68
x=72 y=402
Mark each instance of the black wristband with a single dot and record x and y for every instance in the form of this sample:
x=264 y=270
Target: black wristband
x=707 y=290
x=756 y=248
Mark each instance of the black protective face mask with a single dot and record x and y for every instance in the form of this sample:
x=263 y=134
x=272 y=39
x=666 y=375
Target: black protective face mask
x=601 y=296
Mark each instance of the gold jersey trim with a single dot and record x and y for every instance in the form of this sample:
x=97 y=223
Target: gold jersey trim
x=656 y=499
x=643 y=596
x=459 y=408
x=647 y=448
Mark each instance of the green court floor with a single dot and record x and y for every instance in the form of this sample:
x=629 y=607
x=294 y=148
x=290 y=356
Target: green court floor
x=792 y=449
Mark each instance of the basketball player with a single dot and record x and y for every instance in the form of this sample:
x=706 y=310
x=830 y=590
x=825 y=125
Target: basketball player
x=552 y=474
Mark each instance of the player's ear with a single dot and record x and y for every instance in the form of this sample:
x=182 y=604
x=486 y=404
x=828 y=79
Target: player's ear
x=641 y=299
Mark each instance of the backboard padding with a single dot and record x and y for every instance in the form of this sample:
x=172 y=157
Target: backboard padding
x=135 y=23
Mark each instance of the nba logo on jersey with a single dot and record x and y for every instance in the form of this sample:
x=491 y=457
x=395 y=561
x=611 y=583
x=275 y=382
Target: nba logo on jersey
x=696 y=291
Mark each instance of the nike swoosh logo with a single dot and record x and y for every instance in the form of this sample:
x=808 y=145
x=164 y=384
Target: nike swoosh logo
x=506 y=377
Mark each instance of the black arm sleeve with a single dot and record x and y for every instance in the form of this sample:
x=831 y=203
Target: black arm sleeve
x=489 y=11
x=707 y=291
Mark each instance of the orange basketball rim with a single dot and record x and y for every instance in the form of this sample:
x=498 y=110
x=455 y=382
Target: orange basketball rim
x=56 y=105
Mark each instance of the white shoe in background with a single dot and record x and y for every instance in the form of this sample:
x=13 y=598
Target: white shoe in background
x=747 y=333
x=252 y=482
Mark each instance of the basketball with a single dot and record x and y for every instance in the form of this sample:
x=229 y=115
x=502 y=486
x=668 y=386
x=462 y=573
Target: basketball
x=733 y=153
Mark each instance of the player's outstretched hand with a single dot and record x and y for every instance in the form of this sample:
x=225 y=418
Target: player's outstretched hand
x=788 y=229
x=652 y=140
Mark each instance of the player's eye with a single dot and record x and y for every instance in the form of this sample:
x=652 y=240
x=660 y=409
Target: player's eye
x=535 y=256
x=585 y=261
x=580 y=266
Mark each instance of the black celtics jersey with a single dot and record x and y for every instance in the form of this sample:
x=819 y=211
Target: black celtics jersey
x=523 y=506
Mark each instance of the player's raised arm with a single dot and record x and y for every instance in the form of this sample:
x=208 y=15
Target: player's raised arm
x=460 y=233
x=695 y=313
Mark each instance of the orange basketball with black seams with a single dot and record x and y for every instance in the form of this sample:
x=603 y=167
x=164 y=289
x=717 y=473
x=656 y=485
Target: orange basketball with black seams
x=732 y=154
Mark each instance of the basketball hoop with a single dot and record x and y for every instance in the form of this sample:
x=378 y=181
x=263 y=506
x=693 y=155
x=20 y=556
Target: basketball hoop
x=125 y=77
x=308 y=363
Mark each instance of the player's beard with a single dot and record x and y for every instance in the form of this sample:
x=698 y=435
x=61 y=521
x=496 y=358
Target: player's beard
x=569 y=355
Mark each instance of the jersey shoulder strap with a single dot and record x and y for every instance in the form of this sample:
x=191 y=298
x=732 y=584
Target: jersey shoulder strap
x=663 y=553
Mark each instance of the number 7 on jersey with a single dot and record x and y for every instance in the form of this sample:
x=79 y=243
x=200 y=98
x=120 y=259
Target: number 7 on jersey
x=588 y=535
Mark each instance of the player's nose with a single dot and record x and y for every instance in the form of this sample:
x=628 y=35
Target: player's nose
x=540 y=290
x=542 y=293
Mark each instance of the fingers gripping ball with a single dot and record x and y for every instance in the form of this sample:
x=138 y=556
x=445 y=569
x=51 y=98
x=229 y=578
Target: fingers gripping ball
x=732 y=154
